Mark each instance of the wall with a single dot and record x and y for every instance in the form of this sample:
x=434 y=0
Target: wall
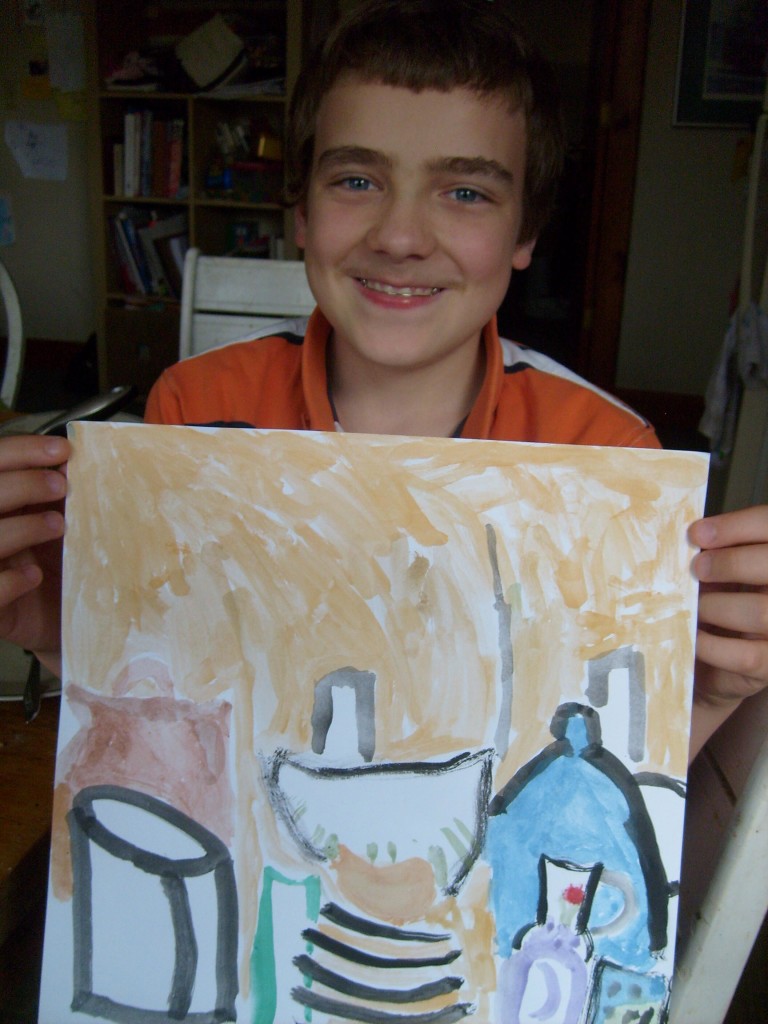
x=51 y=258
x=687 y=229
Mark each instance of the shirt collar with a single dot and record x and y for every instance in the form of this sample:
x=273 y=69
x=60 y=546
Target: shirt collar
x=314 y=375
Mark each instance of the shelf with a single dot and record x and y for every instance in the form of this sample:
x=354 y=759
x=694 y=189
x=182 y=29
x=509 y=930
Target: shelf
x=236 y=204
x=201 y=119
x=145 y=201
x=134 y=95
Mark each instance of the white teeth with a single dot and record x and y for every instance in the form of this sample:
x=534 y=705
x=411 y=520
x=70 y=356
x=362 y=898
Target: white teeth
x=405 y=293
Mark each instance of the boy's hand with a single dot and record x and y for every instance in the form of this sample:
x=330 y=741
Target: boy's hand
x=732 y=637
x=32 y=489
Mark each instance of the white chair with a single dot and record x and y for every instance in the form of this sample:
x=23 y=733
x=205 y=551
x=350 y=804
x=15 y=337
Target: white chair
x=228 y=298
x=14 y=358
x=726 y=921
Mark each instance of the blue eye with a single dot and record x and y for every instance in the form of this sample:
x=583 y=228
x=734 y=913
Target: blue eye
x=356 y=183
x=464 y=194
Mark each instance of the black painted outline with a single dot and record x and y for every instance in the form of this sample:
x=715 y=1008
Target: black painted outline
x=85 y=828
x=273 y=765
x=366 y=1016
x=430 y=990
x=364 y=926
x=357 y=956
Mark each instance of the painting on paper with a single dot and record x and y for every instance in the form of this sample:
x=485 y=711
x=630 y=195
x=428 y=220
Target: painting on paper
x=367 y=729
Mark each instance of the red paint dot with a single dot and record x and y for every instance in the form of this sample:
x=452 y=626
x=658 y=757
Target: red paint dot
x=573 y=894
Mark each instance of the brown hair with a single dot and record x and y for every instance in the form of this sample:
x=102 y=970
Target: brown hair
x=436 y=44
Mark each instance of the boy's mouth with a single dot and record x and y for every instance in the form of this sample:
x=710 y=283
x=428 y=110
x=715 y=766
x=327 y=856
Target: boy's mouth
x=405 y=292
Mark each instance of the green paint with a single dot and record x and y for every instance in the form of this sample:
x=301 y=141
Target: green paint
x=439 y=865
x=514 y=598
x=263 y=968
x=459 y=848
x=467 y=833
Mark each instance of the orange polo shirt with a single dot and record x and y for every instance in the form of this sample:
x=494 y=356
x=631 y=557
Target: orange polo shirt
x=280 y=382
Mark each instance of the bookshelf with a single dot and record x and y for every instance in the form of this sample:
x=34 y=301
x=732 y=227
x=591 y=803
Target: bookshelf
x=178 y=162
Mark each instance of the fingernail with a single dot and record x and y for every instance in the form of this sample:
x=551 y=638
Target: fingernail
x=56 y=482
x=54 y=521
x=31 y=572
x=702 y=566
x=706 y=533
x=55 y=447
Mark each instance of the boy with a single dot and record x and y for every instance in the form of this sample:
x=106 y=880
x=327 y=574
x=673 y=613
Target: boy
x=424 y=149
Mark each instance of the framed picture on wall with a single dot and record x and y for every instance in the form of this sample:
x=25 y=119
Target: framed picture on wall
x=721 y=70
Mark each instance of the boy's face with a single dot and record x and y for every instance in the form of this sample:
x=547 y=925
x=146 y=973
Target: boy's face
x=412 y=218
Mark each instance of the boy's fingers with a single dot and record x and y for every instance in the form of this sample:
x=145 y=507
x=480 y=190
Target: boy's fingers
x=746 y=565
x=22 y=532
x=15 y=583
x=28 y=450
x=745 y=526
x=744 y=661
x=31 y=487
x=743 y=612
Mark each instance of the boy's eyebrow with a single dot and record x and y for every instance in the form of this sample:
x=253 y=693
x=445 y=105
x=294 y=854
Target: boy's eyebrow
x=471 y=165
x=353 y=155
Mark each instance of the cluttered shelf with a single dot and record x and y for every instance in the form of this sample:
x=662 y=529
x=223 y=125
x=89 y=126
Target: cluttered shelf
x=189 y=106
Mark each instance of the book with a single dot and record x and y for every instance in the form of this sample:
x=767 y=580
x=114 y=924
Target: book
x=127 y=220
x=159 y=281
x=159 y=157
x=175 y=158
x=172 y=249
x=118 y=168
x=131 y=144
x=152 y=233
x=145 y=153
x=127 y=266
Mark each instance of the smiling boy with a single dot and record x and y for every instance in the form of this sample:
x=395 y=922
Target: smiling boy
x=424 y=155
x=411 y=227
x=424 y=151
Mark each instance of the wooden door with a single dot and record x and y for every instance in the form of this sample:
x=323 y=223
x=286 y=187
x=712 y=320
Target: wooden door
x=621 y=42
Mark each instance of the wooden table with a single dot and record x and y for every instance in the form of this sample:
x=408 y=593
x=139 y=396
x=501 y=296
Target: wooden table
x=27 y=758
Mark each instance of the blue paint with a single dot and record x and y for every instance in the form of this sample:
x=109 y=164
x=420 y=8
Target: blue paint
x=576 y=802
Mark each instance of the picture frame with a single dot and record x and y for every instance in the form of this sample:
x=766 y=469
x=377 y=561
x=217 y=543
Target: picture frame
x=721 y=71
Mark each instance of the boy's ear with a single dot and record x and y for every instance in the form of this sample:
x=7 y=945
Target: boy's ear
x=300 y=225
x=521 y=257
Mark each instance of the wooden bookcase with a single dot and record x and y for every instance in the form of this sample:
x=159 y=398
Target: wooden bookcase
x=138 y=329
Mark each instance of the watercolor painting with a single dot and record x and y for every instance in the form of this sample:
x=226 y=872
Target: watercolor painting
x=369 y=729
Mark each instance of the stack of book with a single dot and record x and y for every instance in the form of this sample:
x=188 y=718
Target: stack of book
x=148 y=160
x=150 y=251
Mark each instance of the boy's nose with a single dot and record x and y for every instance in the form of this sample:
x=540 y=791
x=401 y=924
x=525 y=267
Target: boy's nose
x=402 y=229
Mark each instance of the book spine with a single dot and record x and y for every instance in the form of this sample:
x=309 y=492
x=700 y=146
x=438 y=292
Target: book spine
x=159 y=157
x=160 y=284
x=131 y=155
x=129 y=228
x=171 y=250
x=145 y=153
x=118 y=169
x=129 y=272
x=175 y=157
